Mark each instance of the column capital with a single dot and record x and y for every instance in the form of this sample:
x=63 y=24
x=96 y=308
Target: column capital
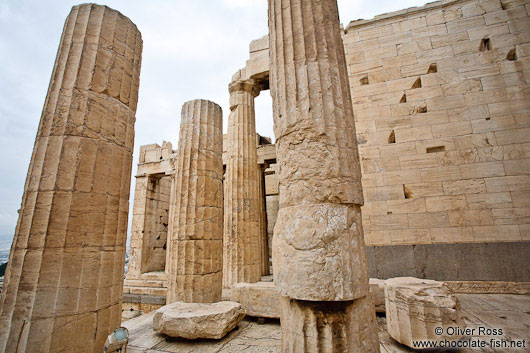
x=249 y=85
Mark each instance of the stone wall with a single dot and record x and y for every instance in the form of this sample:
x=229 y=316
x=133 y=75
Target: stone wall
x=150 y=210
x=156 y=222
x=442 y=101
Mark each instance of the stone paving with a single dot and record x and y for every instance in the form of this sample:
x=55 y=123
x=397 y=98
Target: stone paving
x=511 y=313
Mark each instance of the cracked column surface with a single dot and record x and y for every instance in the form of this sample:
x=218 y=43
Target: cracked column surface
x=196 y=237
x=63 y=285
x=319 y=256
x=242 y=248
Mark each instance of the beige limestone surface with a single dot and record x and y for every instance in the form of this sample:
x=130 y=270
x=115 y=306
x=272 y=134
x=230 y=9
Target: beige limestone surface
x=150 y=217
x=416 y=308
x=319 y=253
x=259 y=299
x=505 y=311
x=377 y=291
x=196 y=234
x=198 y=320
x=65 y=272
x=340 y=326
x=263 y=237
x=242 y=254
x=320 y=187
x=443 y=122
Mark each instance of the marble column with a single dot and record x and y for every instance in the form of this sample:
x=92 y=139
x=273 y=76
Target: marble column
x=63 y=285
x=242 y=249
x=319 y=255
x=196 y=237
x=264 y=241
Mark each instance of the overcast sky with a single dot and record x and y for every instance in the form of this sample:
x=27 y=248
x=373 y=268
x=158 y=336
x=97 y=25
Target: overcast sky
x=191 y=50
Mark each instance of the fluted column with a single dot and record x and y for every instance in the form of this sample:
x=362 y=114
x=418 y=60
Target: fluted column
x=196 y=237
x=242 y=249
x=264 y=242
x=63 y=285
x=319 y=254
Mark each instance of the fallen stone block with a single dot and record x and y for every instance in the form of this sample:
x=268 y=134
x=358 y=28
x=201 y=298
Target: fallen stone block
x=198 y=320
x=420 y=309
x=259 y=299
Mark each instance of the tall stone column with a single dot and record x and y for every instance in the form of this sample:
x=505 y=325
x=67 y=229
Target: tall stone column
x=63 y=285
x=242 y=249
x=319 y=254
x=264 y=242
x=196 y=237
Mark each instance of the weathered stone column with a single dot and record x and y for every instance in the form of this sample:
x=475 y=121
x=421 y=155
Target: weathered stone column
x=264 y=242
x=196 y=236
x=63 y=285
x=319 y=254
x=242 y=250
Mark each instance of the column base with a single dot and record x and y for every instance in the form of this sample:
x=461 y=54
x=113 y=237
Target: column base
x=315 y=327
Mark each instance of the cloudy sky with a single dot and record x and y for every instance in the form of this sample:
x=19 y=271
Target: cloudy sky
x=191 y=50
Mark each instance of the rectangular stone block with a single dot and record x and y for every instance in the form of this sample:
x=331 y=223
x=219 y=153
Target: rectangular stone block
x=418 y=161
x=508 y=183
x=469 y=186
x=406 y=206
x=482 y=170
x=451 y=129
x=387 y=222
x=517 y=167
x=410 y=236
x=429 y=220
x=391 y=192
x=441 y=174
x=259 y=299
x=446 y=203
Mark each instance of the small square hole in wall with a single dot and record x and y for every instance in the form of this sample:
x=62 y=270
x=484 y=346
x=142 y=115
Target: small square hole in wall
x=503 y=6
x=403 y=98
x=435 y=149
x=406 y=191
x=417 y=83
x=433 y=68
x=512 y=55
x=485 y=44
x=421 y=109
x=364 y=81
x=392 y=137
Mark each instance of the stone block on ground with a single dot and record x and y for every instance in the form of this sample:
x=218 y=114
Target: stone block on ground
x=377 y=290
x=198 y=320
x=259 y=299
x=416 y=307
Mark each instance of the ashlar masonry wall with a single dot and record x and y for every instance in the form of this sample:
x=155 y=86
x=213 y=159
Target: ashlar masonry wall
x=441 y=96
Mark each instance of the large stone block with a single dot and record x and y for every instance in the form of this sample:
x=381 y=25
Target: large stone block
x=198 y=320
x=416 y=309
x=258 y=299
